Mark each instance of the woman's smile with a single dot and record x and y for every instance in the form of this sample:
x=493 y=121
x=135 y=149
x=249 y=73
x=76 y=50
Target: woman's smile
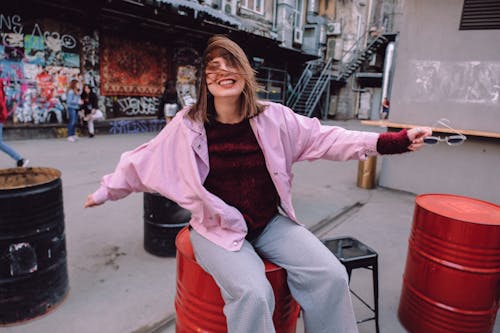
x=223 y=79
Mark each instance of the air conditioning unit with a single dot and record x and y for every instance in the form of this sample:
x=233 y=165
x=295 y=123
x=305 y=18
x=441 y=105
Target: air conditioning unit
x=298 y=36
x=229 y=7
x=333 y=29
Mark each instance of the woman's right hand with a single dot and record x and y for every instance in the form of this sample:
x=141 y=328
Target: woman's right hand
x=90 y=202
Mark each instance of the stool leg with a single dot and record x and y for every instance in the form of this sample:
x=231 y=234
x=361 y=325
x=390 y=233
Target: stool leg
x=375 y=294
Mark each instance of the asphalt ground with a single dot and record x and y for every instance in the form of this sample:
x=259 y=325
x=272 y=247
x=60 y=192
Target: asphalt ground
x=116 y=286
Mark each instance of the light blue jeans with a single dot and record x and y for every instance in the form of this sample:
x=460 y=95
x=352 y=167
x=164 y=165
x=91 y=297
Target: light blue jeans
x=317 y=280
x=6 y=148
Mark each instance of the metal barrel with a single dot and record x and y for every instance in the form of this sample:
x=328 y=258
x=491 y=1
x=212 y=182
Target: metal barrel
x=199 y=304
x=33 y=267
x=451 y=281
x=366 y=172
x=163 y=219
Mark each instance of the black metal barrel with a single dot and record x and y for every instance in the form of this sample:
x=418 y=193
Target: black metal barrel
x=163 y=219
x=33 y=267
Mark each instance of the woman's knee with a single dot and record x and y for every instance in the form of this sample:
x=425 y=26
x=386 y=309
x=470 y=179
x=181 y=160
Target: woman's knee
x=336 y=273
x=258 y=293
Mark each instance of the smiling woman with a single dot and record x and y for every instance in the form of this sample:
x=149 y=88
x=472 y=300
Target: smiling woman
x=228 y=160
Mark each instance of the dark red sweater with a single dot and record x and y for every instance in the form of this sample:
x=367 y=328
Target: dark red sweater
x=238 y=173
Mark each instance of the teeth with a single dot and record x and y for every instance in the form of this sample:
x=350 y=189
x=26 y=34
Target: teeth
x=226 y=82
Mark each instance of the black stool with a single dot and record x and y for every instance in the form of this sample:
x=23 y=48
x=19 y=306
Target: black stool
x=354 y=254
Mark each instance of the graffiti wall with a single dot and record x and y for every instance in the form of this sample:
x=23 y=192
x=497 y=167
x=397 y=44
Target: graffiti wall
x=39 y=57
x=37 y=60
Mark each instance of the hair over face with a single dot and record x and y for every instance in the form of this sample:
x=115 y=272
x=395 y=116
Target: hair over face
x=221 y=46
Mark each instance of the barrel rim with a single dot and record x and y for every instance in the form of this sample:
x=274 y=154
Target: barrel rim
x=421 y=197
x=54 y=173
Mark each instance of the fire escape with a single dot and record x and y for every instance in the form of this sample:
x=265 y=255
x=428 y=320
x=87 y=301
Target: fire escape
x=318 y=75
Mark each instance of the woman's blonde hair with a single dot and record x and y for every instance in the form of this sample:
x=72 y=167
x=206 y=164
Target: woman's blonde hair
x=221 y=46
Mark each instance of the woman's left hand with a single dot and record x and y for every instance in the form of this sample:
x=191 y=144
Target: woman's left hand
x=416 y=136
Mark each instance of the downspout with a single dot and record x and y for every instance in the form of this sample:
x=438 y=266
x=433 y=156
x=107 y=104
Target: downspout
x=275 y=16
x=387 y=76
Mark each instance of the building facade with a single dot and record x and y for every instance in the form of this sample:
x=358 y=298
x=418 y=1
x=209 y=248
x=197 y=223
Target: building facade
x=127 y=50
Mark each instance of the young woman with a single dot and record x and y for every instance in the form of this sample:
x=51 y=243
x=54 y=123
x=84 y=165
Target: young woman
x=90 y=111
x=228 y=159
x=73 y=104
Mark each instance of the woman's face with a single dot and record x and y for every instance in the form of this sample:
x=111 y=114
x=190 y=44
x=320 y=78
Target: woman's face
x=86 y=89
x=223 y=79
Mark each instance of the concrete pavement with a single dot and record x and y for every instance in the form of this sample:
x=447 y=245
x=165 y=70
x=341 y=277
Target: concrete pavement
x=116 y=286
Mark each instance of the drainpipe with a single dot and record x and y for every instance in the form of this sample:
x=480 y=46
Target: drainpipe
x=387 y=76
x=275 y=16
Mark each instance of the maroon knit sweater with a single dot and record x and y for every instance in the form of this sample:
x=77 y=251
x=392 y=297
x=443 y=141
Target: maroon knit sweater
x=239 y=176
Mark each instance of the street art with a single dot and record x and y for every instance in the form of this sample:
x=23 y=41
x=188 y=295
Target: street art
x=132 y=68
x=37 y=62
x=475 y=82
x=186 y=85
x=136 y=126
x=132 y=106
x=36 y=68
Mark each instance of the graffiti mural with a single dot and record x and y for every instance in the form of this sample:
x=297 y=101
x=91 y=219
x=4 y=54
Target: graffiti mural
x=136 y=126
x=36 y=66
x=133 y=106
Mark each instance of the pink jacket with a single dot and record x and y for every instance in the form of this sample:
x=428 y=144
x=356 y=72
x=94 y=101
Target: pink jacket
x=175 y=164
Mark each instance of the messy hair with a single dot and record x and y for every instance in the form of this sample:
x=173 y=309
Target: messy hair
x=221 y=46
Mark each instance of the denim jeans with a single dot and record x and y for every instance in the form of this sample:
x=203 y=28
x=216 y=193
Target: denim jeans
x=72 y=121
x=317 y=280
x=7 y=149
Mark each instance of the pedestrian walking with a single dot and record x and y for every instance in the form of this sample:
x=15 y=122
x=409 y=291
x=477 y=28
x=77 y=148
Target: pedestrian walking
x=228 y=160
x=73 y=103
x=20 y=161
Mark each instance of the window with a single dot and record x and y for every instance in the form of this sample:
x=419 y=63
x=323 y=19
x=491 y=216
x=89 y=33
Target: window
x=480 y=15
x=253 y=5
x=299 y=14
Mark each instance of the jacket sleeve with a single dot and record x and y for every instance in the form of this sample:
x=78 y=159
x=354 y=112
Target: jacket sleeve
x=126 y=177
x=310 y=140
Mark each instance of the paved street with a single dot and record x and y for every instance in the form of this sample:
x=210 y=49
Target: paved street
x=117 y=287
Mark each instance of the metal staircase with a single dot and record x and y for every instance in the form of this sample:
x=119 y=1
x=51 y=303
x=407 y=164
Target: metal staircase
x=318 y=75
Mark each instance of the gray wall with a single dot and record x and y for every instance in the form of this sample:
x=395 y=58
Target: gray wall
x=442 y=72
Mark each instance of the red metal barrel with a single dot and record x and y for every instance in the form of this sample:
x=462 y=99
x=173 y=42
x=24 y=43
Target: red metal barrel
x=452 y=276
x=198 y=302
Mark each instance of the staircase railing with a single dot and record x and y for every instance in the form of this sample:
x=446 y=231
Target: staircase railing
x=319 y=88
x=350 y=61
x=301 y=85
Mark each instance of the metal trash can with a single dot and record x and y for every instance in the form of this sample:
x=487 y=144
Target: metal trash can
x=199 y=304
x=367 y=170
x=163 y=219
x=451 y=281
x=33 y=267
